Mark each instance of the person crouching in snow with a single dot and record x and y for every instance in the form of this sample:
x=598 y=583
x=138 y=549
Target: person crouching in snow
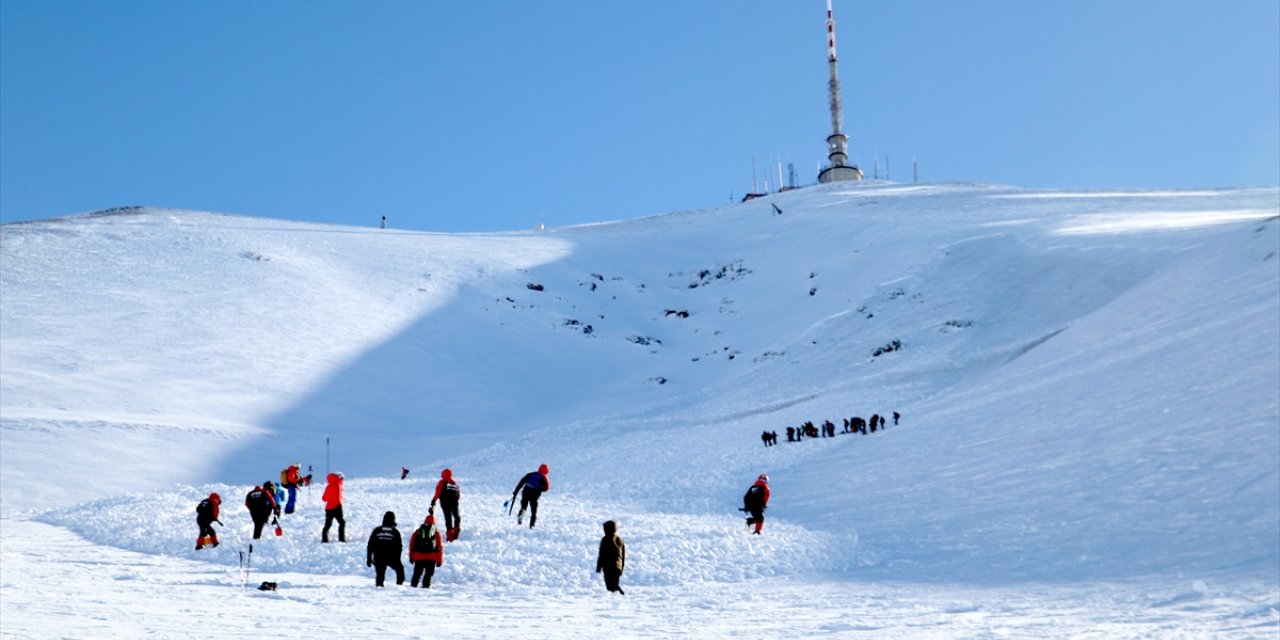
x=384 y=550
x=447 y=493
x=612 y=557
x=206 y=515
x=756 y=501
x=426 y=552
x=333 y=508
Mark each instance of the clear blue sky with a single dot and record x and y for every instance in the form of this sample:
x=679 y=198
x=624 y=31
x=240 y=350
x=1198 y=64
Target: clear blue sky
x=470 y=116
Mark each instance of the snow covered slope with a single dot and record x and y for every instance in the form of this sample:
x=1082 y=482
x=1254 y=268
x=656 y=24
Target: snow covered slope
x=1089 y=383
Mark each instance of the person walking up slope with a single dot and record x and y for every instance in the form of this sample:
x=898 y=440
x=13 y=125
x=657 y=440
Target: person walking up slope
x=333 y=508
x=206 y=515
x=447 y=493
x=384 y=550
x=534 y=484
x=426 y=552
x=612 y=558
x=756 y=501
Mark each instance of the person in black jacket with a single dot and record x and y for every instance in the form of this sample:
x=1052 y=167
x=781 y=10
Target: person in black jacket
x=755 y=502
x=206 y=515
x=384 y=550
x=447 y=493
x=261 y=503
x=612 y=557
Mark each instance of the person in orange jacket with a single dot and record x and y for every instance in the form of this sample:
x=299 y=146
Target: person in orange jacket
x=333 y=508
x=426 y=552
x=447 y=494
x=756 y=501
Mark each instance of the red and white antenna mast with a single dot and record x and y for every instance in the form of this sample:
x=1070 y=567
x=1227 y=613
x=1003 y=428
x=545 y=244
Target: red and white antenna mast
x=833 y=85
x=837 y=142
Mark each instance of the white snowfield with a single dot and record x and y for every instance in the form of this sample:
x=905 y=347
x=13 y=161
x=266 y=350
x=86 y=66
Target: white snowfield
x=1089 y=385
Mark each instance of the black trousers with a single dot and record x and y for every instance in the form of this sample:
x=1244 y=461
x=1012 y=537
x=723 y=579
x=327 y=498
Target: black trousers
x=529 y=500
x=422 y=572
x=380 y=571
x=258 y=525
x=329 y=516
x=452 y=519
x=206 y=530
x=611 y=577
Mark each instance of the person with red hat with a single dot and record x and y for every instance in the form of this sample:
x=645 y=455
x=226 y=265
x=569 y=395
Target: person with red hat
x=756 y=501
x=426 y=552
x=447 y=494
x=534 y=483
x=206 y=515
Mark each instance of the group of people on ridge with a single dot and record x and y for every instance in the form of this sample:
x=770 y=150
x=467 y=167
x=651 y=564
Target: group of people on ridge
x=828 y=429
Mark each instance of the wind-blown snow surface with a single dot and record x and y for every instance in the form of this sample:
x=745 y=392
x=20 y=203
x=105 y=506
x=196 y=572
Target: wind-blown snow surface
x=1089 y=383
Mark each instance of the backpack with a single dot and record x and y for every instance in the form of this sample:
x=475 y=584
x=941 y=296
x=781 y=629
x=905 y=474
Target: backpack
x=284 y=477
x=257 y=500
x=204 y=510
x=754 y=497
x=427 y=543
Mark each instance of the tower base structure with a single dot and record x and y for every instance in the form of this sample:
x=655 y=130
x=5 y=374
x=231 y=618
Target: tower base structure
x=840 y=173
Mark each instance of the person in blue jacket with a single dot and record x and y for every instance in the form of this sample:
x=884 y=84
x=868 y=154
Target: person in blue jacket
x=534 y=484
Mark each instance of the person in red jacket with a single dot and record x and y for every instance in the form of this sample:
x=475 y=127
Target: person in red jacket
x=206 y=515
x=333 y=508
x=426 y=552
x=756 y=501
x=291 y=478
x=447 y=494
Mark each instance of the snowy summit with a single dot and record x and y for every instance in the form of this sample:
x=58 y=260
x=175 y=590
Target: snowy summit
x=1081 y=393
